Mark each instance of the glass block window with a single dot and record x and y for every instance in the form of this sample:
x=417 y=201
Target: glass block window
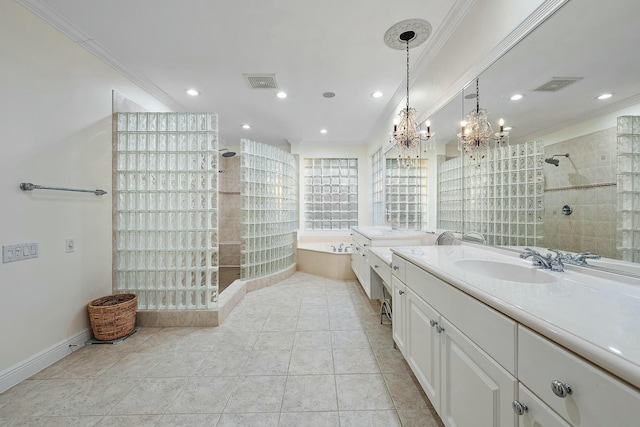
x=628 y=188
x=330 y=194
x=406 y=193
x=377 y=193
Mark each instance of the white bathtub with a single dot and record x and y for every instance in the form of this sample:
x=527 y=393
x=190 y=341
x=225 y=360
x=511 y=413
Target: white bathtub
x=319 y=258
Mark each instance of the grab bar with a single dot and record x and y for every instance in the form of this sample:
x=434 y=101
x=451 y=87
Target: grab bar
x=27 y=186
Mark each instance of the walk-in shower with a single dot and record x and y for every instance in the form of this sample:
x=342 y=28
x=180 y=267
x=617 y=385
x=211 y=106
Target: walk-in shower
x=553 y=161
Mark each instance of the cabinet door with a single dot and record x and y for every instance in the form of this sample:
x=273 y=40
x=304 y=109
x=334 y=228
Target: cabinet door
x=423 y=345
x=475 y=389
x=398 y=308
x=537 y=413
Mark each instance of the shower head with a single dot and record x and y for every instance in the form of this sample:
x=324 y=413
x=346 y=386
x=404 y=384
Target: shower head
x=553 y=161
x=227 y=153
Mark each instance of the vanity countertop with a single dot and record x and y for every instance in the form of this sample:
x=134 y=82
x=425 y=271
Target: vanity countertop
x=382 y=252
x=386 y=232
x=596 y=315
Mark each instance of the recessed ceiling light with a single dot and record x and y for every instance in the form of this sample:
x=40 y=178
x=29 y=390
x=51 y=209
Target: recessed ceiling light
x=517 y=97
x=281 y=95
x=508 y=128
x=605 y=96
x=329 y=94
x=246 y=126
x=323 y=131
x=193 y=92
x=377 y=94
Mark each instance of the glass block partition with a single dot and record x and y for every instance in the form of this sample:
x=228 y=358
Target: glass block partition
x=330 y=194
x=377 y=188
x=406 y=193
x=502 y=194
x=628 y=188
x=166 y=209
x=269 y=209
x=450 y=193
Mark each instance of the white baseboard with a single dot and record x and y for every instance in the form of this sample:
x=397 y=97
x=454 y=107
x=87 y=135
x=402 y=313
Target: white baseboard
x=36 y=363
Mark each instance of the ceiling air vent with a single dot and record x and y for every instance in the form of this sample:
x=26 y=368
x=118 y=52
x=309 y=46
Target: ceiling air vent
x=261 y=81
x=556 y=83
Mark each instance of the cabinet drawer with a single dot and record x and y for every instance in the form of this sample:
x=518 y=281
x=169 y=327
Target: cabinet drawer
x=596 y=399
x=537 y=413
x=361 y=240
x=398 y=267
x=381 y=268
x=494 y=332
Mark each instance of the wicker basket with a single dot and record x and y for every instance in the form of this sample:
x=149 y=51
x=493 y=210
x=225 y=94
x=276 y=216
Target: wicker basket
x=113 y=316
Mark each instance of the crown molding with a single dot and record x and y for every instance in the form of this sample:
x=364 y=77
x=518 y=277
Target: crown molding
x=51 y=16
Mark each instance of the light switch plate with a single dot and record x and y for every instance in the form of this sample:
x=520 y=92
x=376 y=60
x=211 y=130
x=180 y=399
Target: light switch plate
x=69 y=245
x=19 y=252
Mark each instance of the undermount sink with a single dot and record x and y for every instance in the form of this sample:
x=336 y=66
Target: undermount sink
x=504 y=271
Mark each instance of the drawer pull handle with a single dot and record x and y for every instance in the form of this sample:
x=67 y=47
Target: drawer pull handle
x=375 y=266
x=401 y=292
x=560 y=389
x=395 y=267
x=519 y=408
x=433 y=323
x=439 y=329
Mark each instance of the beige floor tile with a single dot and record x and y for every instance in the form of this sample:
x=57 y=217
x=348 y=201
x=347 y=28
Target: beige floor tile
x=88 y=421
x=347 y=323
x=248 y=420
x=150 y=396
x=285 y=310
x=369 y=419
x=256 y=394
x=224 y=363
x=268 y=362
x=314 y=311
x=182 y=364
x=391 y=360
x=361 y=392
x=280 y=324
x=136 y=365
x=236 y=341
x=319 y=323
x=244 y=324
x=350 y=339
x=355 y=361
x=310 y=393
x=311 y=419
x=203 y=395
x=421 y=418
x=188 y=420
x=380 y=338
x=406 y=391
x=311 y=361
x=129 y=420
x=312 y=339
x=275 y=340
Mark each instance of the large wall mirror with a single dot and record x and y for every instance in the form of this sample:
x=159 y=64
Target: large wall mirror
x=586 y=49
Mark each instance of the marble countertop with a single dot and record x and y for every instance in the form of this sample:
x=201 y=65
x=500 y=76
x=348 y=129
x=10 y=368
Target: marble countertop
x=386 y=232
x=382 y=252
x=594 y=314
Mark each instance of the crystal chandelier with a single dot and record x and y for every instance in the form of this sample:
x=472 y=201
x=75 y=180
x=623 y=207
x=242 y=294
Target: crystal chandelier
x=477 y=133
x=407 y=134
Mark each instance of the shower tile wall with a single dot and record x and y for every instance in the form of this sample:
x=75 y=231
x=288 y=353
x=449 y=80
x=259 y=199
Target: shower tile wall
x=586 y=181
x=230 y=208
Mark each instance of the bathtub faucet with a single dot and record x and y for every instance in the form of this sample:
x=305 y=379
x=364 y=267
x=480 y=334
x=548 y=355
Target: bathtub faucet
x=333 y=248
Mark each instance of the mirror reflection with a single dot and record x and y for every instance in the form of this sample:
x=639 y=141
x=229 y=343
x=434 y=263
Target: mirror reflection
x=568 y=176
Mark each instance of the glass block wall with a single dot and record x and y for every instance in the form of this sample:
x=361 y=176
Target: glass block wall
x=377 y=188
x=269 y=194
x=330 y=194
x=406 y=193
x=450 y=184
x=628 y=188
x=502 y=196
x=166 y=209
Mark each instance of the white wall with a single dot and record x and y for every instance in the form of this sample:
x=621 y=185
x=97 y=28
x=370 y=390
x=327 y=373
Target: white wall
x=55 y=122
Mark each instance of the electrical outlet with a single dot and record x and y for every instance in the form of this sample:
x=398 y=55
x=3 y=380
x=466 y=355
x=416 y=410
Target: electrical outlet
x=69 y=245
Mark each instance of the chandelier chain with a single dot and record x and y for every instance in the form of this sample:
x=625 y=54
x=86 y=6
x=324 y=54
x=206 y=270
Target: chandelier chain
x=407 y=76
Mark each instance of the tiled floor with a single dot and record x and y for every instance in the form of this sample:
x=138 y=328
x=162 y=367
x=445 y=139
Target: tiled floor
x=306 y=352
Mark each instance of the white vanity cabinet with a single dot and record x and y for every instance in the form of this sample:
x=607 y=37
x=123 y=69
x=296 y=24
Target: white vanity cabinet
x=465 y=383
x=398 y=308
x=534 y=412
x=581 y=393
x=360 y=265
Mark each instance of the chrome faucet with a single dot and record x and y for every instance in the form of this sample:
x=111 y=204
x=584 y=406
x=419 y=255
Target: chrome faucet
x=333 y=248
x=544 y=262
x=581 y=258
x=341 y=247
